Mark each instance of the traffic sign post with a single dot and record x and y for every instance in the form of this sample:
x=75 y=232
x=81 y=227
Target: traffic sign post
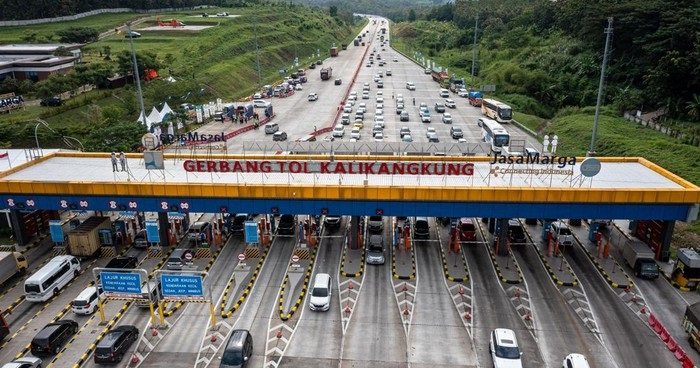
x=186 y=286
x=295 y=260
x=241 y=258
x=119 y=284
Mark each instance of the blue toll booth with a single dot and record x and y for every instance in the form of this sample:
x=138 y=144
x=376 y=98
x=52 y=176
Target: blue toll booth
x=545 y=228
x=592 y=229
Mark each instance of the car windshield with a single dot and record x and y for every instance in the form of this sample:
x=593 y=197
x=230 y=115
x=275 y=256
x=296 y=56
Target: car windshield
x=467 y=227
x=564 y=231
x=32 y=288
x=320 y=292
x=232 y=357
x=649 y=266
x=507 y=352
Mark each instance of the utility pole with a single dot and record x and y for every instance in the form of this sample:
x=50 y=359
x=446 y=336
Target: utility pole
x=136 y=74
x=476 y=27
x=601 y=83
x=257 y=49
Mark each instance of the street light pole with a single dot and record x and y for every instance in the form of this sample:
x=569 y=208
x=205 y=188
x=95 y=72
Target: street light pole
x=136 y=73
x=476 y=27
x=608 y=32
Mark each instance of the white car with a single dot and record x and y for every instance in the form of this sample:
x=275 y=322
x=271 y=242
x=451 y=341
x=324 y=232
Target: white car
x=347 y=109
x=380 y=94
x=447 y=118
x=429 y=131
x=575 y=360
x=378 y=112
x=260 y=103
x=313 y=96
x=450 y=103
x=365 y=95
x=25 y=362
x=444 y=93
x=463 y=93
x=298 y=87
x=379 y=120
x=379 y=137
x=257 y=96
x=355 y=133
x=504 y=349
x=380 y=100
x=339 y=131
x=410 y=86
x=320 y=298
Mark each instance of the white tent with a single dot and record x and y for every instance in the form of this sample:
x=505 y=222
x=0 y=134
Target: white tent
x=165 y=110
x=171 y=79
x=141 y=118
x=155 y=116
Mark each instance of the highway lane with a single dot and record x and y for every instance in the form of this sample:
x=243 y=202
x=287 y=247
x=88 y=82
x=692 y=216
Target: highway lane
x=492 y=308
x=435 y=320
x=559 y=330
x=184 y=337
x=629 y=340
x=375 y=336
x=317 y=339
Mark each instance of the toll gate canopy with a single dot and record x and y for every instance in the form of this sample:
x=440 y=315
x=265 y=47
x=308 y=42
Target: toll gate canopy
x=451 y=186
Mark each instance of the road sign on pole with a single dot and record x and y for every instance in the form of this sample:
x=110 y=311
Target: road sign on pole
x=121 y=284
x=182 y=287
x=241 y=257
x=152 y=232
x=295 y=258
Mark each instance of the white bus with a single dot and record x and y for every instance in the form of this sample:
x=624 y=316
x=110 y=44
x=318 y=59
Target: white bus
x=495 y=110
x=495 y=135
x=46 y=282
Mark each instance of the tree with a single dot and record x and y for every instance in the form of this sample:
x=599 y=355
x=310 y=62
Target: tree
x=78 y=35
x=62 y=51
x=144 y=60
x=107 y=52
x=411 y=15
x=333 y=10
x=693 y=108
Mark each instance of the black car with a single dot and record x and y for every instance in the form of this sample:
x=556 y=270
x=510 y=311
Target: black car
x=51 y=101
x=115 y=344
x=312 y=66
x=338 y=82
x=140 y=240
x=516 y=232
x=286 y=225
x=332 y=222
x=238 y=223
x=51 y=339
x=319 y=62
x=125 y=262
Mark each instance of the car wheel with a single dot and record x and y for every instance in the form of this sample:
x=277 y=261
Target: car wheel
x=57 y=350
x=55 y=292
x=76 y=273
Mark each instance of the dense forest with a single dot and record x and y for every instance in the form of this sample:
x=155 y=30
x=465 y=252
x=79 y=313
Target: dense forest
x=549 y=52
x=18 y=9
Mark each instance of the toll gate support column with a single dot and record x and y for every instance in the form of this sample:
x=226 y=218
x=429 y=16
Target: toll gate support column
x=18 y=227
x=666 y=234
x=163 y=226
x=502 y=234
x=354 y=231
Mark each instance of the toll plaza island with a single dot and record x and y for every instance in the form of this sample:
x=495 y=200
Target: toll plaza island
x=437 y=186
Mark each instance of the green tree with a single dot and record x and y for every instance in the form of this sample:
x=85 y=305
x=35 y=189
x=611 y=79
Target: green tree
x=118 y=136
x=62 y=51
x=693 y=108
x=144 y=60
x=78 y=35
x=411 y=15
x=107 y=52
x=333 y=11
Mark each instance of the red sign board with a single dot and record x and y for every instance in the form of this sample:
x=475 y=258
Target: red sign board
x=241 y=257
x=295 y=258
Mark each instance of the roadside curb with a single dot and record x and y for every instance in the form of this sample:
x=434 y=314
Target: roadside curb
x=342 y=264
x=602 y=271
x=395 y=274
x=498 y=269
x=304 y=288
x=246 y=291
x=445 y=267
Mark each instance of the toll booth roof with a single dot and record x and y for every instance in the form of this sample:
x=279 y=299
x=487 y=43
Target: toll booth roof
x=16 y=157
x=615 y=173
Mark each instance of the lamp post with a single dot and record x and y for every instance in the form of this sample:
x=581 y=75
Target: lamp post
x=601 y=83
x=66 y=139
x=136 y=73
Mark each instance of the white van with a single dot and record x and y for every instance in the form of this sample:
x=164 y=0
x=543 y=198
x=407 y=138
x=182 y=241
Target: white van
x=149 y=292
x=444 y=93
x=86 y=302
x=271 y=128
x=51 y=278
x=339 y=131
x=320 y=299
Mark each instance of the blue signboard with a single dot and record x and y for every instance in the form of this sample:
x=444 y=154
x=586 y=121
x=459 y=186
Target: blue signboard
x=121 y=283
x=251 y=232
x=152 y=233
x=182 y=286
x=56 y=230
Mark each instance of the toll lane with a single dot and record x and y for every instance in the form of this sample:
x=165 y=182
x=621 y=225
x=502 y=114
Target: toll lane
x=375 y=336
x=318 y=336
x=492 y=309
x=435 y=321
x=631 y=342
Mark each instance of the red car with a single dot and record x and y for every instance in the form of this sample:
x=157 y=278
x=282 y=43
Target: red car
x=467 y=229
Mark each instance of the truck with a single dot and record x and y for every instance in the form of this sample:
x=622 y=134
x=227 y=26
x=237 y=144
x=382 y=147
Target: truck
x=439 y=75
x=475 y=98
x=326 y=73
x=84 y=240
x=691 y=323
x=640 y=257
x=334 y=51
x=456 y=84
x=11 y=264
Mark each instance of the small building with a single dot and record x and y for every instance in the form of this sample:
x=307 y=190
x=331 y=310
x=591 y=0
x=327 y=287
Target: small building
x=36 y=61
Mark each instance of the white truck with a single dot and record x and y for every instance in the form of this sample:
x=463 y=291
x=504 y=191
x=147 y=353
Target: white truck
x=640 y=257
x=11 y=264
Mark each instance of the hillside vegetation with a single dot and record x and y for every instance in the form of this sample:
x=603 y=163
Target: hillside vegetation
x=219 y=62
x=544 y=58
